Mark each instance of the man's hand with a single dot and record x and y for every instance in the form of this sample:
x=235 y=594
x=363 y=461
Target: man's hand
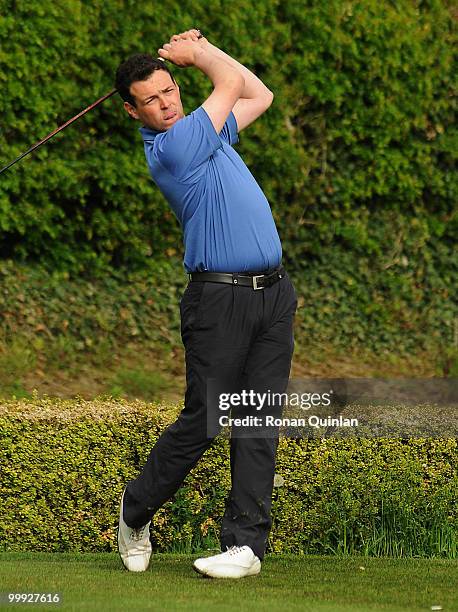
x=187 y=49
x=252 y=101
x=190 y=35
x=181 y=52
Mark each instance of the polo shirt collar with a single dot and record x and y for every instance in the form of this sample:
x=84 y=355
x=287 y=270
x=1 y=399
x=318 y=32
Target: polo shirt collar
x=148 y=134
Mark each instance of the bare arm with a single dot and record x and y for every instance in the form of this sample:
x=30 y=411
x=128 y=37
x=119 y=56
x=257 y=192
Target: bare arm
x=255 y=97
x=254 y=87
x=228 y=83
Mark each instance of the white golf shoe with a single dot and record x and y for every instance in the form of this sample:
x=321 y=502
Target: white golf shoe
x=133 y=544
x=236 y=562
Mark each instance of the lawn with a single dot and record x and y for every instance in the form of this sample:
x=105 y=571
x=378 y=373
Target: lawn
x=325 y=584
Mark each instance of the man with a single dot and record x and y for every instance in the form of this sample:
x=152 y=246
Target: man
x=238 y=309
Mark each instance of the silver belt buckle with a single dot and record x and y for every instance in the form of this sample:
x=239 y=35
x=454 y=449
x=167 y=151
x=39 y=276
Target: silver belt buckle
x=255 y=282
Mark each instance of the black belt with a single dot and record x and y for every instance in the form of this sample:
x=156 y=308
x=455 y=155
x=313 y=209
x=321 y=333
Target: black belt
x=248 y=279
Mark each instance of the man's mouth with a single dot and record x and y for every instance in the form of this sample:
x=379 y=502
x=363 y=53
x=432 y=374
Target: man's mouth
x=167 y=117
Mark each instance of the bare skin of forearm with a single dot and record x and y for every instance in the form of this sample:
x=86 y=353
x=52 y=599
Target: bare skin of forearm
x=254 y=87
x=217 y=68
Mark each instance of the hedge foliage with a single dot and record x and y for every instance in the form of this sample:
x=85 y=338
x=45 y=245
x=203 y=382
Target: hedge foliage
x=357 y=154
x=64 y=465
x=66 y=319
x=357 y=151
x=54 y=313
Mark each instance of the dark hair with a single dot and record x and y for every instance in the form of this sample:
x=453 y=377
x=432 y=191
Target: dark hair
x=138 y=67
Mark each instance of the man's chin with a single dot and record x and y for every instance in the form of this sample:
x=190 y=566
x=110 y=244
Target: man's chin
x=166 y=123
x=169 y=122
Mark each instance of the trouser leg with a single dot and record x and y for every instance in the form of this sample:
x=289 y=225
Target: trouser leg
x=247 y=518
x=228 y=332
x=212 y=348
x=175 y=453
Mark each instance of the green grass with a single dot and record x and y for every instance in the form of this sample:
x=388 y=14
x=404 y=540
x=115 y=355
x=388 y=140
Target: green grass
x=137 y=382
x=327 y=584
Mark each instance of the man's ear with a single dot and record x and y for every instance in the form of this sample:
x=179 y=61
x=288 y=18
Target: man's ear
x=131 y=110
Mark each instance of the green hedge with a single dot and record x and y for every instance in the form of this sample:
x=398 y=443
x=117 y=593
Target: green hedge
x=64 y=465
x=360 y=143
x=356 y=155
x=340 y=307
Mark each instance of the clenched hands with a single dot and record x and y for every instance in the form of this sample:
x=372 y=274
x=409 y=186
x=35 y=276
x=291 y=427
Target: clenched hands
x=183 y=48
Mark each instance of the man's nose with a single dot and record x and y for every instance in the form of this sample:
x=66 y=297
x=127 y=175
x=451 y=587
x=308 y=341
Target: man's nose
x=163 y=101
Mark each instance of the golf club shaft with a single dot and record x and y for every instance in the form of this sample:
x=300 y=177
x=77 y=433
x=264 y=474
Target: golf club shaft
x=59 y=129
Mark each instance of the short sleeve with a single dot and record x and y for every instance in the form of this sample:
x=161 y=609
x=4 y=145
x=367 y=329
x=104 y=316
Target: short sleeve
x=229 y=132
x=187 y=144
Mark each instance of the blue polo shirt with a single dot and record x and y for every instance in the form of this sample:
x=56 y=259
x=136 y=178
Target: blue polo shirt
x=226 y=219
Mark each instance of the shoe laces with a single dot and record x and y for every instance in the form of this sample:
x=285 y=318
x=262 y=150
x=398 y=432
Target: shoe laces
x=138 y=534
x=234 y=550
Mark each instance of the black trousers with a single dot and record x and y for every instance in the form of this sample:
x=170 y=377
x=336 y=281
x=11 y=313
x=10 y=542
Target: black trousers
x=230 y=333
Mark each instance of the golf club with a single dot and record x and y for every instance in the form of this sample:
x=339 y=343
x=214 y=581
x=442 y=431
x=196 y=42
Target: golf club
x=59 y=129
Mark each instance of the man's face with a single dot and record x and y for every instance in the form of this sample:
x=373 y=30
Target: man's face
x=158 y=101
